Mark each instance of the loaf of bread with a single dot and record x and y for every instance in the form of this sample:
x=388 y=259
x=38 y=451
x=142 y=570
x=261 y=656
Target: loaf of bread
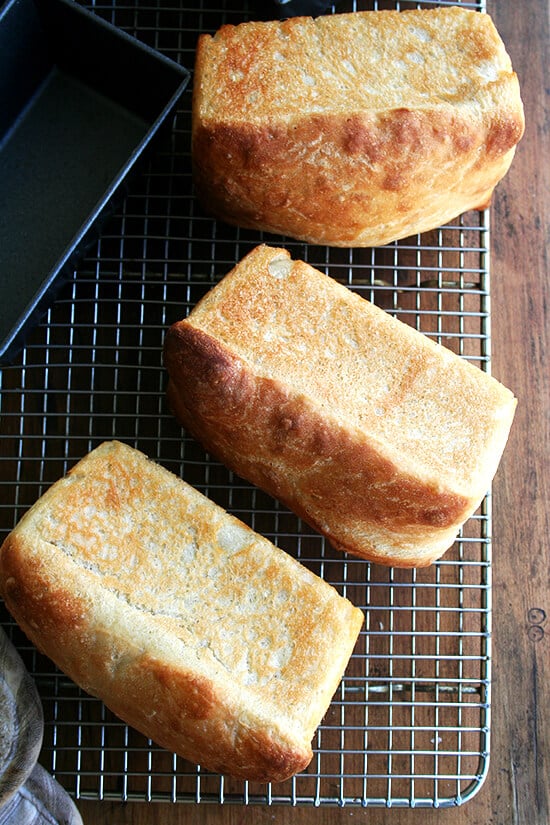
x=353 y=129
x=378 y=437
x=190 y=626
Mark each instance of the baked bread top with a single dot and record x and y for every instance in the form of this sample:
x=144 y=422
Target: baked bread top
x=188 y=624
x=379 y=437
x=353 y=129
x=303 y=64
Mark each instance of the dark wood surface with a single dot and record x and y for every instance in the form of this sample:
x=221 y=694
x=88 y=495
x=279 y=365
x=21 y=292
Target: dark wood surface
x=516 y=790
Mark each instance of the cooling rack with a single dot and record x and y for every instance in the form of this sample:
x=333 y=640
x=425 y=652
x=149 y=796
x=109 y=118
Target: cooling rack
x=409 y=724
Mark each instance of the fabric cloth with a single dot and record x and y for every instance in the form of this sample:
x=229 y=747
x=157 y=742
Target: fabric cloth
x=28 y=794
x=40 y=801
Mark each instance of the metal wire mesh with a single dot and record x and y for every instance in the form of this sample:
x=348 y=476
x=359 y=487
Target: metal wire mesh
x=409 y=724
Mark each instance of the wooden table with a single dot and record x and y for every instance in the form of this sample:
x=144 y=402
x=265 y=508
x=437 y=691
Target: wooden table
x=517 y=787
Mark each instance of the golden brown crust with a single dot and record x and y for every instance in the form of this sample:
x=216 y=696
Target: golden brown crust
x=215 y=672
x=282 y=436
x=175 y=708
x=284 y=140
x=390 y=477
x=343 y=480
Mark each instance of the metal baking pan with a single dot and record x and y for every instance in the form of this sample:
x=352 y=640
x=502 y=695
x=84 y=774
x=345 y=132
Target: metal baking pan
x=80 y=104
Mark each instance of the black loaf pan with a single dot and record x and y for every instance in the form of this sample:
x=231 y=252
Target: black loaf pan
x=81 y=106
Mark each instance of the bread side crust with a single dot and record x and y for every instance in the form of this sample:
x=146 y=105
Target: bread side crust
x=337 y=481
x=363 y=175
x=159 y=678
x=247 y=380
x=364 y=369
x=168 y=701
x=249 y=176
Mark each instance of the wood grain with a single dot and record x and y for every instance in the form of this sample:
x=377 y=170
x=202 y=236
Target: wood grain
x=518 y=789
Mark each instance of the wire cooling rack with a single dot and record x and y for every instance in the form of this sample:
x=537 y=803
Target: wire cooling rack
x=409 y=724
